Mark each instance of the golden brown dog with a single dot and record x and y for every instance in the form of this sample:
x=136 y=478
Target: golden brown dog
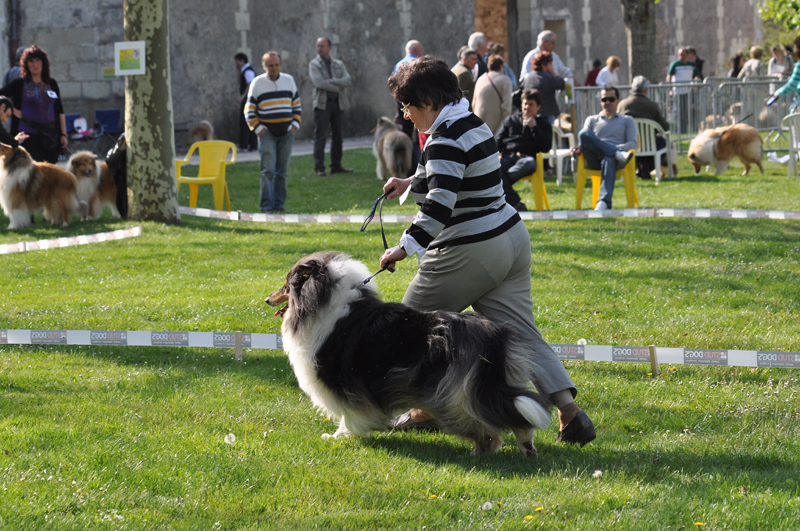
x=717 y=147
x=392 y=148
x=96 y=184
x=28 y=186
x=202 y=130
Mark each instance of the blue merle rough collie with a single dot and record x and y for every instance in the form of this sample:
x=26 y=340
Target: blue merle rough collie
x=364 y=361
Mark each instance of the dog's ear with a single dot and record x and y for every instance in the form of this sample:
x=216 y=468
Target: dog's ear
x=308 y=269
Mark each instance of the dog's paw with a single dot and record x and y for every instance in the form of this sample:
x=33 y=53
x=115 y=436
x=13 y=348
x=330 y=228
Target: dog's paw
x=328 y=436
x=528 y=450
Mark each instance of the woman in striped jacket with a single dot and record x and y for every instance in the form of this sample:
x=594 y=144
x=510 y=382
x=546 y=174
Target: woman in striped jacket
x=472 y=246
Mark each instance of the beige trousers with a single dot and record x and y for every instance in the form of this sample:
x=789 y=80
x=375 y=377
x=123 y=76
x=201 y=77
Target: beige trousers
x=494 y=277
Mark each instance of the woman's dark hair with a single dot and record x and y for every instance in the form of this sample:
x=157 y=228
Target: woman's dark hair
x=34 y=52
x=532 y=94
x=541 y=60
x=425 y=80
x=495 y=63
x=797 y=42
x=736 y=64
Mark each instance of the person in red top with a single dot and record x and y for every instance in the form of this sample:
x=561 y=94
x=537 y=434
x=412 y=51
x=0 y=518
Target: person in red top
x=591 y=77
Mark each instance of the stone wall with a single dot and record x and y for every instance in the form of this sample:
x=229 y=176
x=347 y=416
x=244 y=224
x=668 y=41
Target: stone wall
x=205 y=34
x=79 y=38
x=369 y=37
x=490 y=18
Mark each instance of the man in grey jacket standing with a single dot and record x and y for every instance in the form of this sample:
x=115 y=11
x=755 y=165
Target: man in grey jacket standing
x=330 y=79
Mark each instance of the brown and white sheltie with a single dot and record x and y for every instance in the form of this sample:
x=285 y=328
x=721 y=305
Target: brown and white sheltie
x=96 y=184
x=364 y=361
x=27 y=186
x=717 y=147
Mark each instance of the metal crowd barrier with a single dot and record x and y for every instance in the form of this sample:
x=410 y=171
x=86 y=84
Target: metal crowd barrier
x=694 y=107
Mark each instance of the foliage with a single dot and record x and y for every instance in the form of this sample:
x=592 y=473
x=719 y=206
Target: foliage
x=785 y=11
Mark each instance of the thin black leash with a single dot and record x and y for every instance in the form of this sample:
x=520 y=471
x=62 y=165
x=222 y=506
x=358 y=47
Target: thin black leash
x=371 y=215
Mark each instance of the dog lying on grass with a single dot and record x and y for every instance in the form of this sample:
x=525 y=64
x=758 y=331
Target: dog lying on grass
x=365 y=361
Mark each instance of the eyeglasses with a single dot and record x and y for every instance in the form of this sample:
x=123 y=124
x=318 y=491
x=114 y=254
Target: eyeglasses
x=610 y=99
x=404 y=108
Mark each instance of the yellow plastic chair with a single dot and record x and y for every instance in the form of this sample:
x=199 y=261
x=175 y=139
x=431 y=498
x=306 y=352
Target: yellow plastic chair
x=537 y=184
x=628 y=174
x=213 y=161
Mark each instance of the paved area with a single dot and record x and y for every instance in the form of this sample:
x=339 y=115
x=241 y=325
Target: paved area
x=301 y=147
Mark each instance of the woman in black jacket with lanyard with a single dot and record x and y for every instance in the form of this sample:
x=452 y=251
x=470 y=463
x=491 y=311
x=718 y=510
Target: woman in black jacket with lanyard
x=37 y=107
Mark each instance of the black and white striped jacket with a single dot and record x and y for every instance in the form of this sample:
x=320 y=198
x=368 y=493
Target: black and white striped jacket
x=458 y=187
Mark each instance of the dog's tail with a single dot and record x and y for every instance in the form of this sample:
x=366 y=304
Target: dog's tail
x=533 y=412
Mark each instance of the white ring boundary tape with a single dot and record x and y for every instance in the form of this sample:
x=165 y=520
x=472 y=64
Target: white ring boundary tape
x=602 y=353
x=528 y=216
x=8 y=248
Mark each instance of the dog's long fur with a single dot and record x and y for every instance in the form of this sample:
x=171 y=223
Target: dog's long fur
x=364 y=361
x=28 y=186
x=96 y=184
x=202 y=130
x=717 y=147
x=392 y=148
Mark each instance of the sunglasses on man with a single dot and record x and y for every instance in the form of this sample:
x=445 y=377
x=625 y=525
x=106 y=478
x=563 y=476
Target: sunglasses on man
x=610 y=99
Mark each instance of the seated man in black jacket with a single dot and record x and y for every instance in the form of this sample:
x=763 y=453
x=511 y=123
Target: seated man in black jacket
x=521 y=137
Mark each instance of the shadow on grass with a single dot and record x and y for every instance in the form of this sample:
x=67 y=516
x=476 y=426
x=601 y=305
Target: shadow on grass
x=681 y=467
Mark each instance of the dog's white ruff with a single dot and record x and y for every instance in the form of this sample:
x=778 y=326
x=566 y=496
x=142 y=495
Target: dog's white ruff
x=309 y=338
x=8 y=182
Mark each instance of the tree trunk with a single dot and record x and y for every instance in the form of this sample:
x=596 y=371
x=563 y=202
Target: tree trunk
x=512 y=25
x=149 y=125
x=640 y=23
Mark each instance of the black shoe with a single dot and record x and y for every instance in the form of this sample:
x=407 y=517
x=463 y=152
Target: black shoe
x=521 y=207
x=340 y=170
x=580 y=430
x=405 y=423
x=320 y=173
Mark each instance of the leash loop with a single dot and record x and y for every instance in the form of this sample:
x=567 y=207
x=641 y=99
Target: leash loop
x=369 y=217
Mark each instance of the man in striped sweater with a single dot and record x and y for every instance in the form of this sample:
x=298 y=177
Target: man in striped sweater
x=273 y=112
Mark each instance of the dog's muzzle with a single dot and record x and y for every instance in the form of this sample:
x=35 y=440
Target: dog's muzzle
x=276 y=299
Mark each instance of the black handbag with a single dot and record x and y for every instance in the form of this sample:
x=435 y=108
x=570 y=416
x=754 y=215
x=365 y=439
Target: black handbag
x=516 y=100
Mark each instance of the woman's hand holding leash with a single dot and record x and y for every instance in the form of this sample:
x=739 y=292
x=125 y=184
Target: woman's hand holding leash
x=399 y=185
x=391 y=256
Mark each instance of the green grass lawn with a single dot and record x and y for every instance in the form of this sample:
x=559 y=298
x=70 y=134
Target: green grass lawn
x=134 y=437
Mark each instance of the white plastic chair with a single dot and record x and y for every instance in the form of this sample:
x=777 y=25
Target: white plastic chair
x=557 y=153
x=646 y=130
x=792 y=123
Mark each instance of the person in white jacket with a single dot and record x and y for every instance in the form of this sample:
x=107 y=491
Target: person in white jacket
x=545 y=42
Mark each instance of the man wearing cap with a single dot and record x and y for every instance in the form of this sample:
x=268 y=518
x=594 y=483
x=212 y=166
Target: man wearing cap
x=638 y=105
